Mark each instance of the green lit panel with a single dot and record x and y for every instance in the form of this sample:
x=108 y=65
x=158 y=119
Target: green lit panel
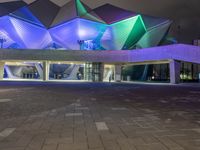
x=117 y=34
x=153 y=37
x=137 y=32
x=80 y=8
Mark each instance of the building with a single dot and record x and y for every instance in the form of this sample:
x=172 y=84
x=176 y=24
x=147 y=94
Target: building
x=43 y=41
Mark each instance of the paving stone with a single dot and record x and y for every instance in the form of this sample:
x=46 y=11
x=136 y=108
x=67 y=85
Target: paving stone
x=169 y=143
x=80 y=146
x=124 y=144
x=151 y=147
x=93 y=117
x=55 y=141
x=94 y=142
x=111 y=145
x=50 y=147
x=101 y=126
x=5 y=100
x=6 y=132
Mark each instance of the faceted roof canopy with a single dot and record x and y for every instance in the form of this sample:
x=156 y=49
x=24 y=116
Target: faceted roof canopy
x=43 y=24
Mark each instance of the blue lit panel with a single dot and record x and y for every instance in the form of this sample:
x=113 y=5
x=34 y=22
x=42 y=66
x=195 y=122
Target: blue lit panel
x=32 y=36
x=66 y=34
x=8 y=32
x=89 y=30
x=70 y=33
x=25 y=14
x=7 y=41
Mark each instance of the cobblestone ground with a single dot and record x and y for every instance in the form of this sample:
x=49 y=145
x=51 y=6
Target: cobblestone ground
x=97 y=116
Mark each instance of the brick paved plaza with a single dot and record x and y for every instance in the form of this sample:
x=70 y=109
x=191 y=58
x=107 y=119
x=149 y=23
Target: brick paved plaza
x=99 y=116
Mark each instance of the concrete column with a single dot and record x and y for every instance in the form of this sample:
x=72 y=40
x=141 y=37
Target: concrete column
x=1 y=70
x=175 y=69
x=45 y=71
x=101 y=72
x=118 y=72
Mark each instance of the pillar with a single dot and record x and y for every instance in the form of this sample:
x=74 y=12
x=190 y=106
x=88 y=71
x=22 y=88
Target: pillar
x=118 y=72
x=45 y=71
x=175 y=69
x=101 y=67
x=2 y=70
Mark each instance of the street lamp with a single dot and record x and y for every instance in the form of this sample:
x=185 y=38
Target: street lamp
x=2 y=40
x=81 y=42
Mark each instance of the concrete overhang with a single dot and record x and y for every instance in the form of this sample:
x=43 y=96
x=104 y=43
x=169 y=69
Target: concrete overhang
x=161 y=54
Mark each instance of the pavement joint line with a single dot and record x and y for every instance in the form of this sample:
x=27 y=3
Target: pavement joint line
x=195 y=92
x=5 y=100
x=73 y=114
x=101 y=126
x=93 y=99
x=75 y=104
x=6 y=132
x=119 y=108
x=53 y=110
x=82 y=108
x=127 y=100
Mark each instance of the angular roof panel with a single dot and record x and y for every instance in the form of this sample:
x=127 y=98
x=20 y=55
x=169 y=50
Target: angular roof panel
x=45 y=11
x=65 y=13
x=75 y=9
x=93 y=17
x=8 y=7
x=111 y=14
x=151 y=22
x=25 y=14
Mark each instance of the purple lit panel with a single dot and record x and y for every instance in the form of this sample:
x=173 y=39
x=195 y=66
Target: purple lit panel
x=33 y=36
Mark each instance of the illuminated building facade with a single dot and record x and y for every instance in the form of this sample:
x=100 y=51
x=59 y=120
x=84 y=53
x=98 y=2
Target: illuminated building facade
x=42 y=28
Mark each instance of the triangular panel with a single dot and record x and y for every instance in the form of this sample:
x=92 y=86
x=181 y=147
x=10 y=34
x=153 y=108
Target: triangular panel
x=54 y=45
x=137 y=32
x=25 y=14
x=8 y=32
x=153 y=37
x=66 y=13
x=93 y=17
x=116 y=34
x=151 y=22
x=34 y=37
x=8 y=7
x=45 y=11
x=81 y=9
x=67 y=35
x=74 y=9
x=112 y=14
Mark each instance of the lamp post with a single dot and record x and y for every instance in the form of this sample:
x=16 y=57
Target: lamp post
x=2 y=40
x=81 y=42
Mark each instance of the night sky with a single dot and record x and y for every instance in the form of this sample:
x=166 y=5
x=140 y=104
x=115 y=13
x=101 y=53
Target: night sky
x=185 y=14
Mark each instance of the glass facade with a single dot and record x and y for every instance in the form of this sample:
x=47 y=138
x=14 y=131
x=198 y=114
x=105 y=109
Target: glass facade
x=22 y=70
x=66 y=71
x=152 y=72
x=94 y=72
x=190 y=72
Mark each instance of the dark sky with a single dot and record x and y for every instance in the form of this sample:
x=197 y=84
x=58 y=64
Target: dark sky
x=185 y=14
